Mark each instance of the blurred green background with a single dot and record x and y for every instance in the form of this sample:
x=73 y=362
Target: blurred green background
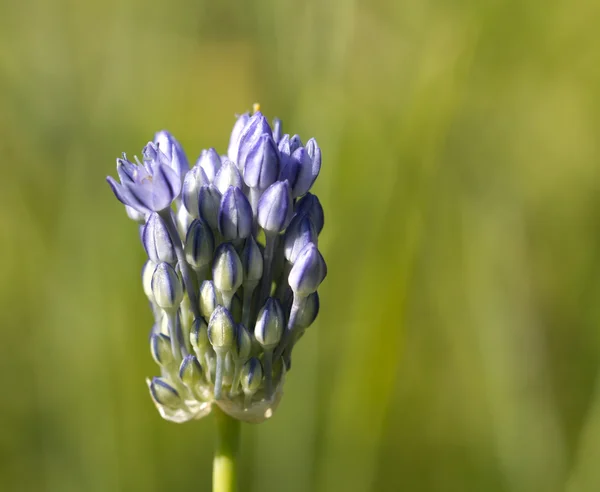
x=457 y=347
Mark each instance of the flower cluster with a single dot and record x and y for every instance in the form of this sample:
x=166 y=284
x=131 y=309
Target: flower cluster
x=233 y=265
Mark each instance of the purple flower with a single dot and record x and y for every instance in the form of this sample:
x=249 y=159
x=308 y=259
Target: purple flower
x=148 y=187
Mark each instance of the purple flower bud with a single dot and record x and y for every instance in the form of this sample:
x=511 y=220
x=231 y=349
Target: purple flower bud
x=284 y=145
x=295 y=143
x=277 y=130
x=193 y=181
x=300 y=232
x=199 y=244
x=252 y=262
x=310 y=204
x=236 y=133
x=235 y=215
x=167 y=287
x=314 y=152
x=256 y=126
x=275 y=207
x=210 y=162
x=209 y=201
x=228 y=176
x=308 y=272
x=270 y=324
x=297 y=169
x=227 y=269
x=156 y=240
x=150 y=187
x=169 y=146
x=261 y=166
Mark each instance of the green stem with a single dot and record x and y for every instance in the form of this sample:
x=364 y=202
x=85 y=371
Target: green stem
x=225 y=462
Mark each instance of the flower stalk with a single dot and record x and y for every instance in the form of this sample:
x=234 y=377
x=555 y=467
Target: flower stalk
x=225 y=464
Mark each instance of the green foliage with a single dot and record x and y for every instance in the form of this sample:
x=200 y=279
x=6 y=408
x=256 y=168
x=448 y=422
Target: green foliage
x=457 y=345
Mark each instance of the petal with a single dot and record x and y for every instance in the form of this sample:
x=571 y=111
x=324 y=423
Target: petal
x=122 y=194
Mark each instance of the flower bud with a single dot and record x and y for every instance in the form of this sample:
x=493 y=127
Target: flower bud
x=310 y=204
x=314 y=152
x=308 y=271
x=135 y=215
x=194 y=179
x=183 y=220
x=295 y=143
x=210 y=298
x=275 y=207
x=252 y=262
x=261 y=167
x=308 y=312
x=256 y=126
x=235 y=215
x=164 y=394
x=160 y=346
x=236 y=308
x=298 y=170
x=252 y=374
x=210 y=162
x=227 y=269
x=167 y=287
x=190 y=371
x=277 y=129
x=221 y=330
x=199 y=337
x=173 y=150
x=236 y=133
x=209 y=201
x=270 y=324
x=147 y=273
x=300 y=232
x=227 y=176
x=242 y=344
x=156 y=240
x=221 y=334
x=199 y=245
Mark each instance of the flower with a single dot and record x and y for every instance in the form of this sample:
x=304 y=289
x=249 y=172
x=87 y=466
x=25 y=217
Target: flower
x=148 y=187
x=233 y=265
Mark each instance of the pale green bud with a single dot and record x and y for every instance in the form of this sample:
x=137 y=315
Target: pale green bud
x=210 y=298
x=167 y=287
x=164 y=394
x=160 y=346
x=221 y=330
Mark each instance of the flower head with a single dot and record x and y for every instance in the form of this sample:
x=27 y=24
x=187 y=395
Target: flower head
x=233 y=265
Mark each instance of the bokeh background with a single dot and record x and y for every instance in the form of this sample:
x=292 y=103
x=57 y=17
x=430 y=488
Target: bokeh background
x=457 y=347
